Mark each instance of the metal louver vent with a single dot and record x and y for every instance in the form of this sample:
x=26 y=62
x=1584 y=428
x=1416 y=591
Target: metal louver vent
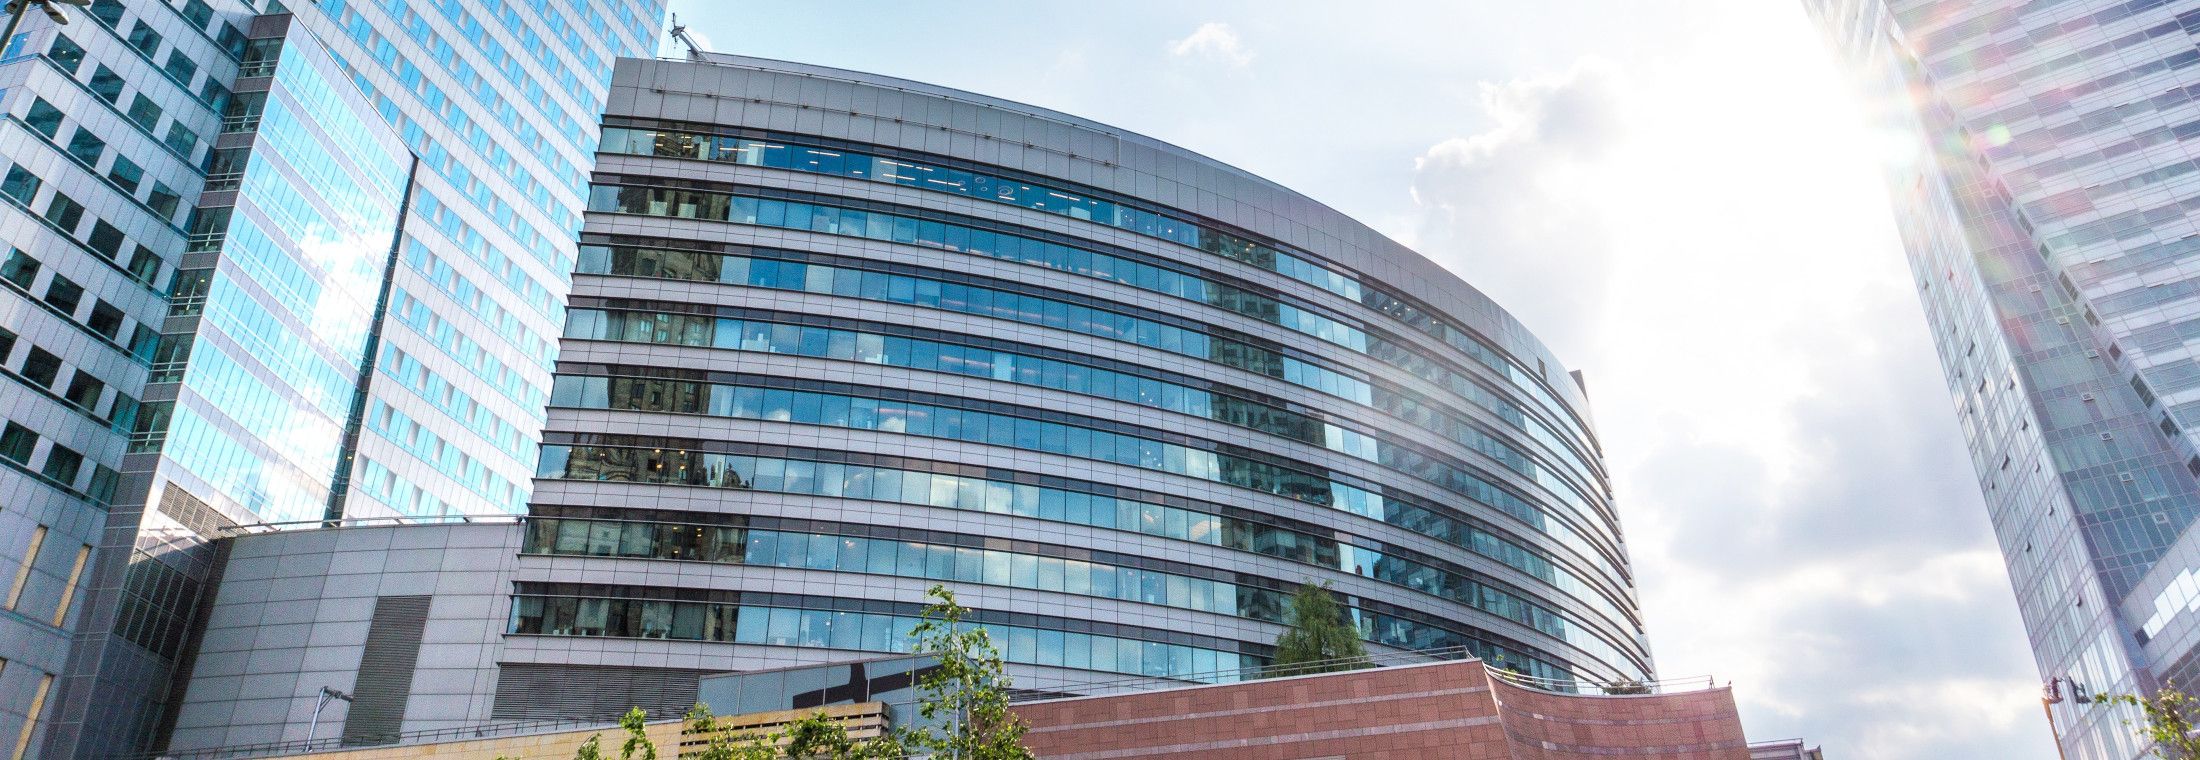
x=386 y=665
x=527 y=690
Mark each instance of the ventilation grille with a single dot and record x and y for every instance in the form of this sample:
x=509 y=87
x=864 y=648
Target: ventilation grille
x=386 y=671
x=528 y=690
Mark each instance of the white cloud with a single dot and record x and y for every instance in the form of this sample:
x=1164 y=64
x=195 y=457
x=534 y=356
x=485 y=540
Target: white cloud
x=1693 y=223
x=1514 y=202
x=1215 y=41
x=1710 y=244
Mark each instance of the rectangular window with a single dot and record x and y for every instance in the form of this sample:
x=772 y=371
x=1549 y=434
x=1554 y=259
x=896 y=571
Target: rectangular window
x=231 y=40
x=20 y=269
x=102 y=486
x=108 y=12
x=145 y=265
x=23 y=572
x=214 y=95
x=87 y=147
x=62 y=464
x=40 y=367
x=43 y=118
x=105 y=238
x=65 y=213
x=105 y=320
x=164 y=201
x=85 y=390
x=7 y=345
x=68 y=590
x=64 y=294
x=181 y=138
x=66 y=53
x=30 y=725
x=107 y=84
x=20 y=184
x=198 y=13
x=16 y=443
x=144 y=38
x=181 y=67
x=144 y=111
x=259 y=57
x=123 y=413
x=126 y=174
x=144 y=340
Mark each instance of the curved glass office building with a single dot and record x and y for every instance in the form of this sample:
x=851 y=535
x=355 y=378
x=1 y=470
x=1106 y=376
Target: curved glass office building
x=837 y=337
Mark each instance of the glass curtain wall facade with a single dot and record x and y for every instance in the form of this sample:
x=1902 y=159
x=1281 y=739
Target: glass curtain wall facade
x=835 y=338
x=266 y=264
x=2049 y=215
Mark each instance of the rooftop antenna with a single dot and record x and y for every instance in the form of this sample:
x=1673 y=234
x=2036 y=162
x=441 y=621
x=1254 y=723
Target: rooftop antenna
x=680 y=32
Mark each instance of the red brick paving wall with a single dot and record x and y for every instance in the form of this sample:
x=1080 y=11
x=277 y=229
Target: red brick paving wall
x=1444 y=710
x=1412 y=712
x=1696 y=725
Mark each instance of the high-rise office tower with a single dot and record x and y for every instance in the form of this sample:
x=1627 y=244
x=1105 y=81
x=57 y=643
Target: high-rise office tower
x=265 y=265
x=2049 y=211
x=836 y=337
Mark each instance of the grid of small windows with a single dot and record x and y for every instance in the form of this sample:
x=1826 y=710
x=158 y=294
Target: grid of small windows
x=21 y=272
x=156 y=605
x=58 y=466
x=490 y=113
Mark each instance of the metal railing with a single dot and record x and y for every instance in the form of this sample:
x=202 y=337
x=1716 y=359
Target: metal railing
x=1237 y=675
x=363 y=522
x=224 y=181
x=244 y=122
x=1386 y=659
x=1606 y=688
x=201 y=242
x=426 y=736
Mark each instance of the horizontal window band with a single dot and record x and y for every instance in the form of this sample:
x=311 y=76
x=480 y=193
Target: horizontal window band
x=1463 y=531
x=687 y=140
x=948 y=557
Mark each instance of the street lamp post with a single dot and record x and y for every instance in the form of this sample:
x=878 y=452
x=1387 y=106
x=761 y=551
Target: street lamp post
x=16 y=8
x=314 y=726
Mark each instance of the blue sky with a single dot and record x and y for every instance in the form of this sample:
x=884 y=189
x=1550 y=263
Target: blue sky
x=1680 y=198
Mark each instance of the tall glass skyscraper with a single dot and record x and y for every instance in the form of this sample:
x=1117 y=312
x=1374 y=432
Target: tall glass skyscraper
x=266 y=265
x=836 y=337
x=2049 y=210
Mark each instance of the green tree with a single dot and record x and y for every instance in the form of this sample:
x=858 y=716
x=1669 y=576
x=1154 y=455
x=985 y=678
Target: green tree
x=820 y=737
x=968 y=691
x=2169 y=720
x=1321 y=639
x=716 y=743
x=637 y=746
x=591 y=749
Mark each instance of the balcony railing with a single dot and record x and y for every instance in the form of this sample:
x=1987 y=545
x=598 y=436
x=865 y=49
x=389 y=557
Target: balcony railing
x=224 y=181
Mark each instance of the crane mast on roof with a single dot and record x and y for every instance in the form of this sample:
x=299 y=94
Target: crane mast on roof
x=680 y=32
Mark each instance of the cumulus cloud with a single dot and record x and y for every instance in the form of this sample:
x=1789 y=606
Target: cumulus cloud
x=1801 y=511
x=1510 y=201
x=1214 y=41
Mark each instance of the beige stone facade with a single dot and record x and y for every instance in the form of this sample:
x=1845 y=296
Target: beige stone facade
x=863 y=720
